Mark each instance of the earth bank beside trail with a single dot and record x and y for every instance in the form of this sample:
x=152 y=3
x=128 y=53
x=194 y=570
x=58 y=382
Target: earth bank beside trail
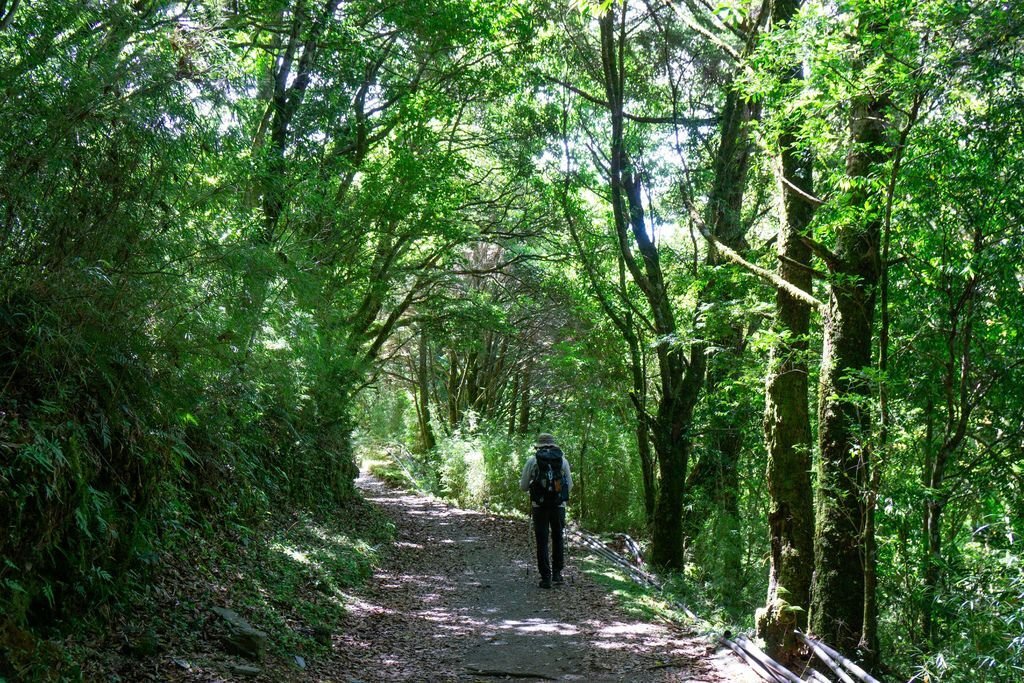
x=457 y=600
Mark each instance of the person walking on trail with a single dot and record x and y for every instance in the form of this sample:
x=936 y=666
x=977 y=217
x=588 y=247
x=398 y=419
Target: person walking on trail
x=547 y=477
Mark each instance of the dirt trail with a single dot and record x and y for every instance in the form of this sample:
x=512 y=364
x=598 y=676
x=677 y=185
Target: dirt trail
x=457 y=600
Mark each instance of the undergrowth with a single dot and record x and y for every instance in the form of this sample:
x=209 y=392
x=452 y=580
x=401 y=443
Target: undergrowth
x=669 y=604
x=287 y=575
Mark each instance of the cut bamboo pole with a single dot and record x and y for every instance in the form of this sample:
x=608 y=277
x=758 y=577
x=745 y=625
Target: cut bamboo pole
x=633 y=547
x=761 y=656
x=758 y=668
x=845 y=662
x=837 y=669
x=597 y=546
x=816 y=676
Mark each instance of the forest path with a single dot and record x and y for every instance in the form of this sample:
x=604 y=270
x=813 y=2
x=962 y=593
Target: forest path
x=457 y=600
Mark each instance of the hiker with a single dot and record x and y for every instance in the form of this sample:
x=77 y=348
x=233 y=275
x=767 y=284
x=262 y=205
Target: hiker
x=547 y=477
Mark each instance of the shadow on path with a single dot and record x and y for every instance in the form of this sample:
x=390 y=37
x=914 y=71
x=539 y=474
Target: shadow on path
x=457 y=600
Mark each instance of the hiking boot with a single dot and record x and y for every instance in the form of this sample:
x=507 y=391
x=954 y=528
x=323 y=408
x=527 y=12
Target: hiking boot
x=557 y=579
x=545 y=583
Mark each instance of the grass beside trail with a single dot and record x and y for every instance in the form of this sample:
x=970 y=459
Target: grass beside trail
x=646 y=603
x=388 y=470
x=636 y=600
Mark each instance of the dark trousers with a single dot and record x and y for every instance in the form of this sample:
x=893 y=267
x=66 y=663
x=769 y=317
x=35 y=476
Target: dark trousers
x=549 y=523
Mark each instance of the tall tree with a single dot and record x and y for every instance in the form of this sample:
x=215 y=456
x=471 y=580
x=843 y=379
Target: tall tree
x=714 y=481
x=844 y=418
x=787 y=427
x=680 y=375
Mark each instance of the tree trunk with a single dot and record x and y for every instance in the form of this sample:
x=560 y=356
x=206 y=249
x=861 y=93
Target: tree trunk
x=643 y=442
x=524 y=405
x=513 y=406
x=673 y=448
x=837 y=606
x=427 y=440
x=680 y=378
x=638 y=397
x=787 y=427
x=454 y=390
x=289 y=91
x=959 y=405
x=472 y=380
x=933 y=561
x=622 y=318
x=787 y=432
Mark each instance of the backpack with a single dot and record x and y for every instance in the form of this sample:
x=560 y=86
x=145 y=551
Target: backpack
x=547 y=488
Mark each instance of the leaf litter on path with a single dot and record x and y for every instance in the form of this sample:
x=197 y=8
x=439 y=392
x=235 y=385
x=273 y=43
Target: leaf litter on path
x=457 y=600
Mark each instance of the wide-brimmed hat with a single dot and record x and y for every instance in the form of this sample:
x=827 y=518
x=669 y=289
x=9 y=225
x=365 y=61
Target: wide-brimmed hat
x=545 y=440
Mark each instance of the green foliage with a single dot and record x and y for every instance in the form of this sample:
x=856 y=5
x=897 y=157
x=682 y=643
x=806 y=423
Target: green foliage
x=480 y=468
x=983 y=605
x=180 y=337
x=221 y=252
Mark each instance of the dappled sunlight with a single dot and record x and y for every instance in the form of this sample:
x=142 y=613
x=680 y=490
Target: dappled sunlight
x=627 y=636
x=363 y=608
x=635 y=629
x=293 y=553
x=461 y=600
x=451 y=622
x=539 y=626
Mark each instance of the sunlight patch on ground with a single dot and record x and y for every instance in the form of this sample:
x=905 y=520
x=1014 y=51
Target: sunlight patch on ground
x=341 y=539
x=362 y=608
x=540 y=626
x=293 y=553
x=406 y=544
x=634 y=629
x=621 y=635
x=430 y=582
x=449 y=621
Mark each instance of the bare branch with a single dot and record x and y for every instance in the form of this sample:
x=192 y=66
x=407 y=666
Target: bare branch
x=815 y=273
x=692 y=22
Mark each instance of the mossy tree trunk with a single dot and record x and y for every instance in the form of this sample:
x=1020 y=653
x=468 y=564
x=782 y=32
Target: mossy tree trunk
x=787 y=427
x=844 y=416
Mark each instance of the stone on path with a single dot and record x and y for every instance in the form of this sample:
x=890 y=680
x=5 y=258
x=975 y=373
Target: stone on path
x=240 y=637
x=245 y=670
